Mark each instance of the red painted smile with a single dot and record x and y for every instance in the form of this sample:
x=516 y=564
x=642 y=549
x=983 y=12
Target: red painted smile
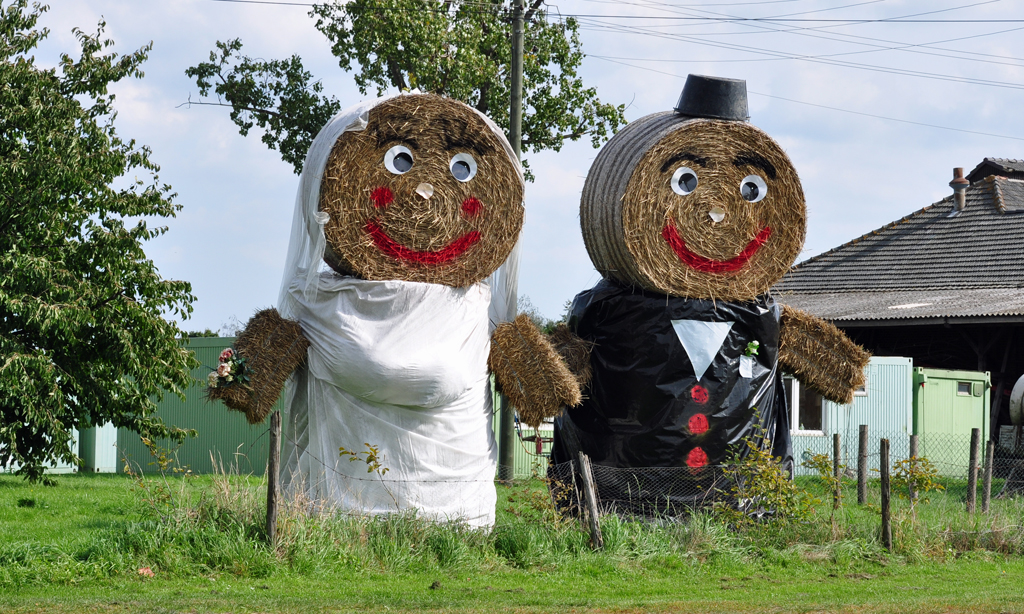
x=707 y=265
x=400 y=252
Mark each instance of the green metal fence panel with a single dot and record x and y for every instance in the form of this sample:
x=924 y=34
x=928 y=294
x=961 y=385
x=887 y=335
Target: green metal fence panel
x=527 y=462
x=222 y=433
x=233 y=441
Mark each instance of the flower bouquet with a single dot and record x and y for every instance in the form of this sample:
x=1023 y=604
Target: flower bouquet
x=252 y=373
x=231 y=371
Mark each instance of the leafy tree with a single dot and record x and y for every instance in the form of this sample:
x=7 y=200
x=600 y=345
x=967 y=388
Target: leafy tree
x=83 y=340
x=525 y=306
x=458 y=48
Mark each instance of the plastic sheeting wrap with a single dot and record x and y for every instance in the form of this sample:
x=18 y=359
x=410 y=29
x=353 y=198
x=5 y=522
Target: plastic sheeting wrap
x=401 y=366
x=646 y=405
x=398 y=365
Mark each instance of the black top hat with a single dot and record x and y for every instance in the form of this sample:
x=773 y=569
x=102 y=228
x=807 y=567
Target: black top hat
x=714 y=97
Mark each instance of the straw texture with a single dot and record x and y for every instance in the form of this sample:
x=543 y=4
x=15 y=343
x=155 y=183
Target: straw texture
x=574 y=351
x=529 y=371
x=273 y=348
x=639 y=231
x=382 y=227
x=821 y=356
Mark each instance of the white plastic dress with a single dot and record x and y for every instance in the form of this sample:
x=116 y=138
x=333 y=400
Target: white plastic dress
x=399 y=365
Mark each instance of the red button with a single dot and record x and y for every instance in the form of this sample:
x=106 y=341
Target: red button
x=698 y=424
x=696 y=458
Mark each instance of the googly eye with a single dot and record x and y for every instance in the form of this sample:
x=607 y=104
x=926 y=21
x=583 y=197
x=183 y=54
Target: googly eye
x=753 y=188
x=684 y=180
x=398 y=160
x=463 y=167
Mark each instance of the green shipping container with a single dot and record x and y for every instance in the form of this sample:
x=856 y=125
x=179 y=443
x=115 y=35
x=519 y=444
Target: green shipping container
x=947 y=405
x=223 y=434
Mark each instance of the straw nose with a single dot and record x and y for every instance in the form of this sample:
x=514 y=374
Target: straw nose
x=425 y=190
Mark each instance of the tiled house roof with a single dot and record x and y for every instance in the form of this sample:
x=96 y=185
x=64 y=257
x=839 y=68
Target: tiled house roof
x=935 y=263
x=1003 y=167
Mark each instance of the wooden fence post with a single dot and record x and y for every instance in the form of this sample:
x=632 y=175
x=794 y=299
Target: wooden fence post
x=972 y=471
x=837 y=496
x=883 y=462
x=589 y=491
x=273 y=463
x=986 y=491
x=913 y=465
x=862 y=466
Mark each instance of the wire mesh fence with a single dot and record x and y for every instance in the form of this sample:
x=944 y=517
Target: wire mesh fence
x=640 y=492
x=676 y=491
x=948 y=453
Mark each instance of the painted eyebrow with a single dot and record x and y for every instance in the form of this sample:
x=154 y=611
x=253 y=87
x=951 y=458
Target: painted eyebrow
x=462 y=142
x=389 y=133
x=679 y=157
x=756 y=160
x=459 y=135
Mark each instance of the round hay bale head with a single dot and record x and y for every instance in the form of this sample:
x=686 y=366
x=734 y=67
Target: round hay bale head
x=426 y=192
x=693 y=207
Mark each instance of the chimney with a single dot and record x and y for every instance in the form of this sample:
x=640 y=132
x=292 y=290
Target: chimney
x=959 y=185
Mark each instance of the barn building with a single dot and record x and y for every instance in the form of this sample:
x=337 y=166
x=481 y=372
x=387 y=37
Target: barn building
x=943 y=286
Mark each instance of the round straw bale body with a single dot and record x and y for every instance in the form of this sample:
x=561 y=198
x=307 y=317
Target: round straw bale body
x=421 y=220
x=711 y=238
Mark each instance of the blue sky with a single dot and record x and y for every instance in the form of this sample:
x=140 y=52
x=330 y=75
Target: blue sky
x=956 y=65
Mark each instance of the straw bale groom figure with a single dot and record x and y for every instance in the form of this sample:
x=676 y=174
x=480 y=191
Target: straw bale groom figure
x=691 y=216
x=413 y=204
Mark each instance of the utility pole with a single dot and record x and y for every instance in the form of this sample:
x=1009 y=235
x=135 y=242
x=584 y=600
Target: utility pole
x=506 y=446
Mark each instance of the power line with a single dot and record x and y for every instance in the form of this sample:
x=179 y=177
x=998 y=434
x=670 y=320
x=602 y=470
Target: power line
x=945 y=10
x=818 y=60
x=266 y=2
x=839 y=36
x=832 y=8
x=827 y=58
x=908 y=47
x=690 y=18
x=801 y=31
x=715 y=5
x=905 y=47
x=722 y=17
x=775 y=55
x=769 y=19
x=821 y=106
x=949 y=40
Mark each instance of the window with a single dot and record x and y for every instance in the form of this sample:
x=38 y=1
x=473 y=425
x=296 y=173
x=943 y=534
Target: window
x=861 y=391
x=963 y=389
x=805 y=408
x=809 y=410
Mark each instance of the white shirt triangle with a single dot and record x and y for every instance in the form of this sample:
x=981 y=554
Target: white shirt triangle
x=702 y=341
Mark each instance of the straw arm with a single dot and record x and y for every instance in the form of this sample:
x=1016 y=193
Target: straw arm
x=530 y=372
x=272 y=348
x=821 y=356
x=575 y=352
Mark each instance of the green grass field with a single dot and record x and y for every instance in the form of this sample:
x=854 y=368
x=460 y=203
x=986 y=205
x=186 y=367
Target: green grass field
x=79 y=546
